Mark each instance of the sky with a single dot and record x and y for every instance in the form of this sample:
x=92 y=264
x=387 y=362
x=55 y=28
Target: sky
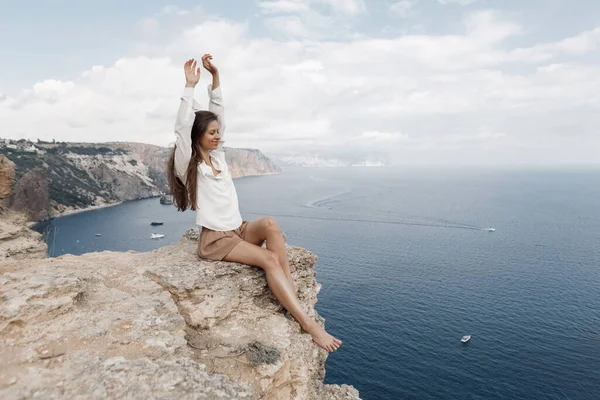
x=406 y=82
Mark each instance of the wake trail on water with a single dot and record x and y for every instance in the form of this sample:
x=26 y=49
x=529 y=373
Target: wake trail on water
x=447 y=221
x=410 y=223
x=322 y=201
x=434 y=220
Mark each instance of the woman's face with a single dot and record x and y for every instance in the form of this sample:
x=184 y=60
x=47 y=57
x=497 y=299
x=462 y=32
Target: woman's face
x=210 y=139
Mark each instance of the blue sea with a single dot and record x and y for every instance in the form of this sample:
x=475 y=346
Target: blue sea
x=408 y=267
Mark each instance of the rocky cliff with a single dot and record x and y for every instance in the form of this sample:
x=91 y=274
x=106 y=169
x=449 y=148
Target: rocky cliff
x=7 y=179
x=246 y=162
x=242 y=162
x=154 y=325
x=54 y=178
x=16 y=240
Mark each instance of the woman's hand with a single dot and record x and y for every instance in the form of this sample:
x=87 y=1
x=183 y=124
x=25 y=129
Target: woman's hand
x=208 y=65
x=192 y=74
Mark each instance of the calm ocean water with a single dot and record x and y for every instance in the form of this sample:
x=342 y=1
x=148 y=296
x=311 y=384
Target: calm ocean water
x=408 y=268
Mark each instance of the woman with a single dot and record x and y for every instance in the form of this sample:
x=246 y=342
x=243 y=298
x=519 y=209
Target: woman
x=199 y=179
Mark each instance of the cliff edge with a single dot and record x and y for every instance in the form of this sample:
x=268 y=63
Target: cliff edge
x=160 y=324
x=16 y=240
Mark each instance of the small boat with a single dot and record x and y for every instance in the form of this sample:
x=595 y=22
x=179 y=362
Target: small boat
x=157 y=236
x=465 y=338
x=491 y=229
x=154 y=223
x=98 y=234
x=166 y=199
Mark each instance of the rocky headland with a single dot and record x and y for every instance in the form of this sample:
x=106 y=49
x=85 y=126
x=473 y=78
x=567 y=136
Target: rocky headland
x=53 y=179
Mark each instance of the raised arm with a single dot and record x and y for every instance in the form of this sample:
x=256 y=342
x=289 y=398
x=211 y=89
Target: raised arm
x=215 y=103
x=185 y=119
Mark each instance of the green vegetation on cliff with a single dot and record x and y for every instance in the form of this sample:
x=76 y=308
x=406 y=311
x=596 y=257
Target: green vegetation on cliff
x=67 y=184
x=80 y=175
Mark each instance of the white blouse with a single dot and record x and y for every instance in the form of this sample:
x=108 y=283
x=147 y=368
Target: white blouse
x=217 y=205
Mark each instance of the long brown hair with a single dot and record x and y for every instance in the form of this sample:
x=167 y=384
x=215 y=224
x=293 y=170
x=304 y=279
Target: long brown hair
x=184 y=194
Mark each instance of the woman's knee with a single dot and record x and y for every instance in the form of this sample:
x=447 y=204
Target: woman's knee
x=270 y=224
x=271 y=261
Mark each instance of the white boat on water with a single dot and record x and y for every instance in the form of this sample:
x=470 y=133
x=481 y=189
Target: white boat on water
x=491 y=229
x=465 y=338
x=157 y=236
x=98 y=234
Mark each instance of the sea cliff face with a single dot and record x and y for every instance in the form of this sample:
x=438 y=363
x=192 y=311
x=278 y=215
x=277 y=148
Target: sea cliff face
x=54 y=178
x=247 y=162
x=16 y=240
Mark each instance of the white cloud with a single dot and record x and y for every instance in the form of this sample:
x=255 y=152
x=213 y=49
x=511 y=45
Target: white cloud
x=414 y=98
x=347 y=7
x=283 y=6
x=461 y=2
x=404 y=8
x=303 y=19
x=580 y=44
x=385 y=136
x=148 y=27
x=173 y=10
x=290 y=26
x=350 y=7
x=486 y=26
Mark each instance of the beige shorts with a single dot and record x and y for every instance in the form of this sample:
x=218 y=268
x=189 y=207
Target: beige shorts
x=215 y=245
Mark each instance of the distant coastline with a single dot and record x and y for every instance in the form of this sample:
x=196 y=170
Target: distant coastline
x=100 y=206
x=92 y=208
x=85 y=209
x=57 y=179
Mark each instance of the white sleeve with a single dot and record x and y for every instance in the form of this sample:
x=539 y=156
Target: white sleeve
x=183 y=131
x=215 y=105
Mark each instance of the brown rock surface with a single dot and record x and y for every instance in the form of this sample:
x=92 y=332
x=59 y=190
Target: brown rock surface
x=248 y=162
x=7 y=177
x=160 y=324
x=31 y=195
x=16 y=240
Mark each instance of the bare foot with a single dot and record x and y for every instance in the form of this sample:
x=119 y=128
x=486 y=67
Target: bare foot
x=321 y=338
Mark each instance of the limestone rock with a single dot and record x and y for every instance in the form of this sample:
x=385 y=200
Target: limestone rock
x=7 y=177
x=161 y=324
x=16 y=240
x=31 y=195
x=247 y=162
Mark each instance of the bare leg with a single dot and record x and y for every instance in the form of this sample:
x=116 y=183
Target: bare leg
x=268 y=229
x=250 y=254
